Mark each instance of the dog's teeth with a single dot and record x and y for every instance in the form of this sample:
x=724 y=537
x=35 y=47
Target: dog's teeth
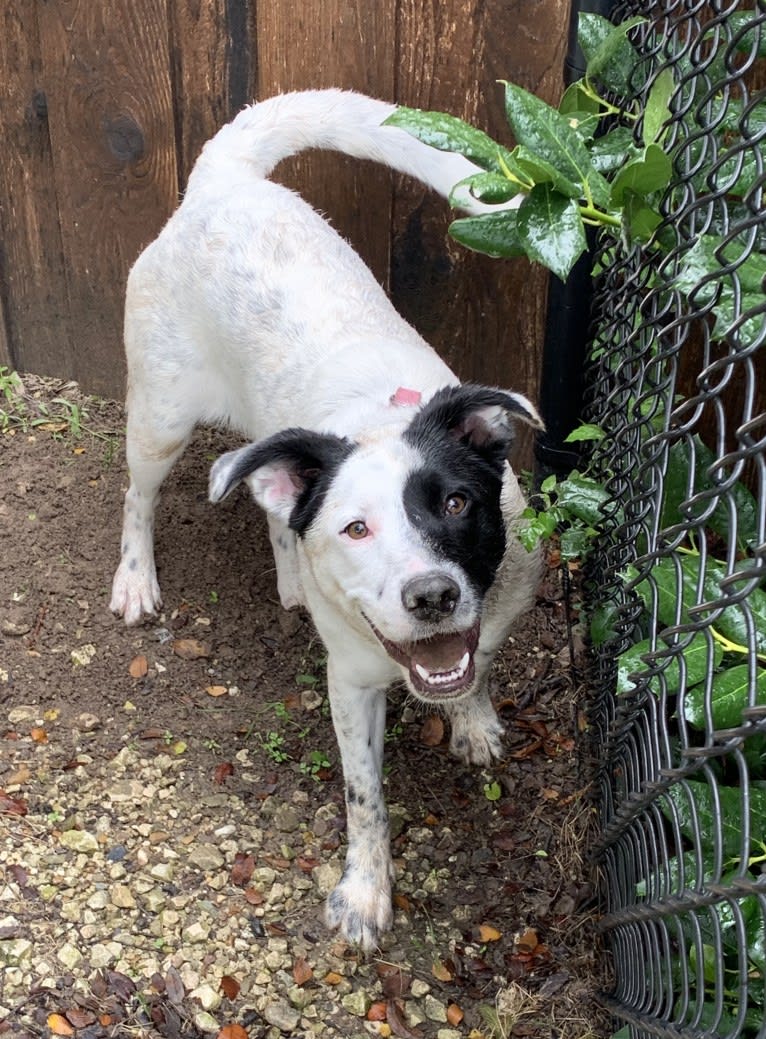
x=443 y=677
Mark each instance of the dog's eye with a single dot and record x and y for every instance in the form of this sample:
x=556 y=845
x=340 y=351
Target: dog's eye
x=357 y=530
x=455 y=504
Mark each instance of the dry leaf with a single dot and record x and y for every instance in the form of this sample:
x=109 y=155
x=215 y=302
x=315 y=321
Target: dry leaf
x=377 y=1012
x=11 y=805
x=216 y=690
x=138 y=666
x=174 y=986
x=488 y=933
x=254 y=897
x=332 y=978
x=190 y=649
x=229 y=986
x=302 y=972
x=39 y=735
x=432 y=731
x=222 y=772
x=454 y=1014
x=242 y=870
x=21 y=776
x=80 y=1018
x=440 y=971
x=402 y=902
x=232 y=1032
x=549 y=794
x=59 y=1025
x=527 y=941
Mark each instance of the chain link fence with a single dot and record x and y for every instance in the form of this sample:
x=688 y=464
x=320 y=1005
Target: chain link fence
x=676 y=579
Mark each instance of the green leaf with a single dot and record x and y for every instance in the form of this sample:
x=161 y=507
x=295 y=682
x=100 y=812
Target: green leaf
x=693 y=279
x=585 y=431
x=495 y=234
x=551 y=230
x=575 y=542
x=448 y=133
x=631 y=665
x=710 y=823
x=610 y=57
x=729 y=697
x=732 y=623
x=492 y=188
x=639 y=218
x=754 y=34
x=576 y=99
x=657 y=109
x=643 y=175
x=538 y=171
x=547 y=135
x=536 y=527
x=676 y=592
x=583 y=497
x=612 y=151
x=602 y=623
x=678 y=487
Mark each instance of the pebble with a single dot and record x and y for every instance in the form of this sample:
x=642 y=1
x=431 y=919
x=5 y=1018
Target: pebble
x=206 y=857
x=80 y=841
x=282 y=1016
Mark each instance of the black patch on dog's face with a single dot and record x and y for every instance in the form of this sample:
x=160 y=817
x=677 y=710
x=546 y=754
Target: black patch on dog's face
x=463 y=435
x=474 y=539
x=307 y=459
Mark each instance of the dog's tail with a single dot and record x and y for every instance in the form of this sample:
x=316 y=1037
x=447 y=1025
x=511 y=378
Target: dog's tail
x=263 y=134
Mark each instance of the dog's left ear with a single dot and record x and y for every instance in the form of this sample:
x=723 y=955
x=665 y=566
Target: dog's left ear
x=480 y=416
x=288 y=473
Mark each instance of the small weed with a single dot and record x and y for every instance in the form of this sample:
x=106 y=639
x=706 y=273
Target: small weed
x=214 y=598
x=493 y=791
x=274 y=745
x=393 y=733
x=318 y=761
x=73 y=415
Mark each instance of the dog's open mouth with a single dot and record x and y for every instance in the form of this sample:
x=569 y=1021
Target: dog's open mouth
x=440 y=667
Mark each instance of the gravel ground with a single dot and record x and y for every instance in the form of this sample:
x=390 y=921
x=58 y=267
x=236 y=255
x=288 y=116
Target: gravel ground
x=171 y=813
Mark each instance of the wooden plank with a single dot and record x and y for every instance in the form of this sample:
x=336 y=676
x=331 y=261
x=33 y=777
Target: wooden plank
x=486 y=317
x=334 y=43
x=107 y=82
x=210 y=54
x=35 y=334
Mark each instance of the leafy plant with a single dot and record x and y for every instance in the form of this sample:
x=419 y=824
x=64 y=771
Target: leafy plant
x=572 y=505
x=603 y=159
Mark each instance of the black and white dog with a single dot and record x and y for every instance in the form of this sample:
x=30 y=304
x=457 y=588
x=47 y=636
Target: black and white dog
x=390 y=503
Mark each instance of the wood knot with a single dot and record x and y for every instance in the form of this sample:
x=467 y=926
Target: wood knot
x=125 y=138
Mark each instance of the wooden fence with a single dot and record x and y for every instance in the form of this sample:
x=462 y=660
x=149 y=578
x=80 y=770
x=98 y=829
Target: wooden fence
x=105 y=104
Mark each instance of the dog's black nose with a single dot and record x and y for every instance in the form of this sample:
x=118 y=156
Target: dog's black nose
x=431 y=597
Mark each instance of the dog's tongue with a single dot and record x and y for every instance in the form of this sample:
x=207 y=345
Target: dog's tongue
x=441 y=653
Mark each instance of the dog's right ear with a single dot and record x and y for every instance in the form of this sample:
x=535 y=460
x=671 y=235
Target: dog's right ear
x=288 y=473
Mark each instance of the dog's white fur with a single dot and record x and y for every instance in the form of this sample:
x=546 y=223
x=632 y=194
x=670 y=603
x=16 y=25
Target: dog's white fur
x=249 y=310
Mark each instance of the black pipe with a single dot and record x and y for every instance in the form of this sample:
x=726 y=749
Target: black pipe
x=567 y=316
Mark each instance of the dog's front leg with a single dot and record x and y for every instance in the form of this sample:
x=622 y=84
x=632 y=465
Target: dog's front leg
x=360 y=906
x=477 y=732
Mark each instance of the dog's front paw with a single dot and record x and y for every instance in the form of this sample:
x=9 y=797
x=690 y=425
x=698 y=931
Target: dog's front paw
x=135 y=593
x=360 y=910
x=477 y=739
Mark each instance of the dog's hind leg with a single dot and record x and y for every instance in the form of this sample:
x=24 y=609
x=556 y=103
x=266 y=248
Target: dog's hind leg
x=151 y=452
